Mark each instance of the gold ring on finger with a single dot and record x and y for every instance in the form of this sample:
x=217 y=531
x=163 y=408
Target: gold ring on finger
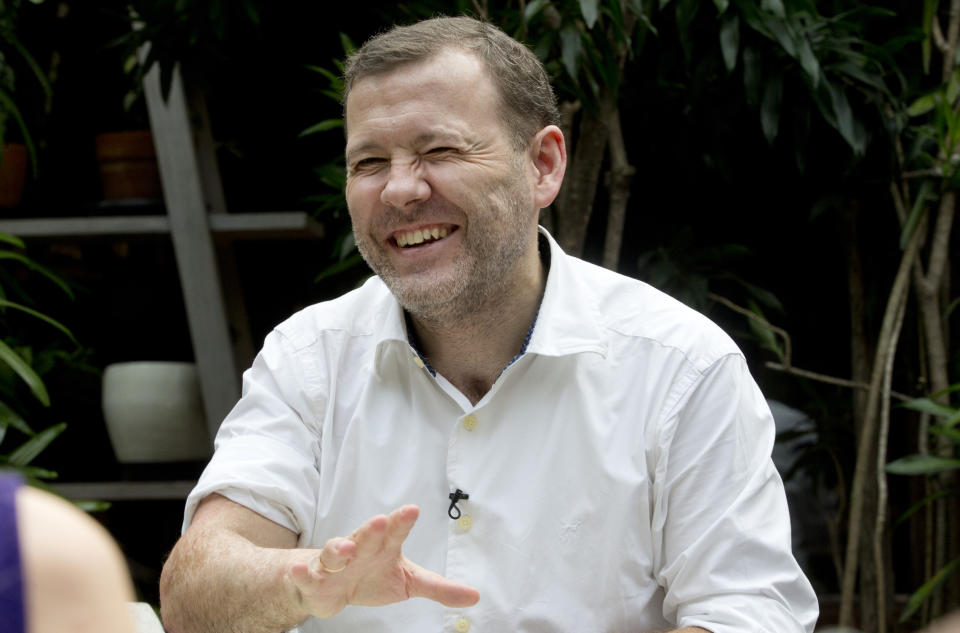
x=327 y=569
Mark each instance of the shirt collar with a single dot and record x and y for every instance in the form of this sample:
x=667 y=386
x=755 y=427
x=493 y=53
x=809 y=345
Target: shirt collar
x=567 y=321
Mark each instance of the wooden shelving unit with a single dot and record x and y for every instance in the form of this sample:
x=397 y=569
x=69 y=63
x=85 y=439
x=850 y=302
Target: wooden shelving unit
x=194 y=217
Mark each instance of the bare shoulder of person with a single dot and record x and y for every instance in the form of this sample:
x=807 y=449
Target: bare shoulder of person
x=75 y=578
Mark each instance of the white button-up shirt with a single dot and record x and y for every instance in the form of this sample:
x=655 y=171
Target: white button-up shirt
x=618 y=471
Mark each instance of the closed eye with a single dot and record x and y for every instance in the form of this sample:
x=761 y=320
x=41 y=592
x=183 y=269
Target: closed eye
x=367 y=163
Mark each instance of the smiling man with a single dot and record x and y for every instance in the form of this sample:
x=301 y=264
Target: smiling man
x=529 y=442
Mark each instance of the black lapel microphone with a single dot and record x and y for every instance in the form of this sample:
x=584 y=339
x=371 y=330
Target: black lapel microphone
x=454 y=497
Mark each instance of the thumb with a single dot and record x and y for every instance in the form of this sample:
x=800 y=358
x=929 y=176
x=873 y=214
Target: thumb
x=423 y=583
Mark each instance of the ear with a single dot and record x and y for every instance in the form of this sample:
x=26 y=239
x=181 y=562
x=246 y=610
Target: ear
x=549 y=154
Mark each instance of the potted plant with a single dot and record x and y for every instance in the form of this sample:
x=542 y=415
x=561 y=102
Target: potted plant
x=14 y=56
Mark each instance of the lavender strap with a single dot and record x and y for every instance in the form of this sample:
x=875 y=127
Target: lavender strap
x=11 y=577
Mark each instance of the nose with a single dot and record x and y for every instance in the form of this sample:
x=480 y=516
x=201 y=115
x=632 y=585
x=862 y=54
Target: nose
x=405 y=186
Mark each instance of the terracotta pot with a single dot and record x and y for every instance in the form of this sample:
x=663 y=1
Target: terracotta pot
x=128 y=165
x=154 y=412
x=13 y=174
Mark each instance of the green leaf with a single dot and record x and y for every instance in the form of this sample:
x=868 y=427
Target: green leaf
x=922 y=105
x=916 y=213
x=92 y=506
x=588 y=9
x=9 y=417
x=570 y=49
x=927 y=589
x=13 y=240
x=39 y=315
x=909 y=512
x=34 y=472
x=922 y=465
x=43 y=270
x=773 y=6
x=929 y=15
x=730 y=41
x=947 y=431
x=770 y=108
x=532 y=9
x=843 y=118
x=322 y=126
x=686 y=12
x=809 y=62
x=926 y=405
x=341 y=266
x=18 y=365
x=722 y=6
x=35 y=445
x=347 y=44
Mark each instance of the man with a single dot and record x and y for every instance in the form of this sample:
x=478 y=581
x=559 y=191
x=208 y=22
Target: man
x=583 y=453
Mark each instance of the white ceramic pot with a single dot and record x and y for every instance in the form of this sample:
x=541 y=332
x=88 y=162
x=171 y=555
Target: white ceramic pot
x=154 y=412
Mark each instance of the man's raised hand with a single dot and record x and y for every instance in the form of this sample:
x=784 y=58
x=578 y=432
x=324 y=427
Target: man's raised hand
x=368 y=568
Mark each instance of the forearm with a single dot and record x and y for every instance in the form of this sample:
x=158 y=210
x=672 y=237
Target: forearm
x=216 y=581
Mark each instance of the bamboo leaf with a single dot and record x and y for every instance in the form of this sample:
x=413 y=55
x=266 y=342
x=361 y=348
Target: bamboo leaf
x=926 y=405
x=13 y=240
x=322 y=126
x=9 y=417
x=92 y=506
x=929 y=15
x=588 y=9
x=809 y=62
x=922 y=465
x=919 y=505
x=916 y=213
x=947 y=431
x=43 y=270
x=24 y=454
x=570 y=49
x=722 y=6
x=927 y=589
x=22 y=369
x=730 y=42
x=770 y=108
x=773 y=6
x=39 y=315
x=532 y=9
x=346 y=264
x=922 y=105
x=34 y=472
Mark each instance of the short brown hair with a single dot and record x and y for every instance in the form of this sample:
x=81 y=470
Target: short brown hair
x=528 y=103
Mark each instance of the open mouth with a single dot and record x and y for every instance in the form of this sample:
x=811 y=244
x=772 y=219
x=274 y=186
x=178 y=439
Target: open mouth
x=422 y=236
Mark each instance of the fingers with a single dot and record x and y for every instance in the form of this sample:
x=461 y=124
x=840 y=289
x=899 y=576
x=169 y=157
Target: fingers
x=399 y=524
x=382 y=532
x=335 y=555
x=427 y=584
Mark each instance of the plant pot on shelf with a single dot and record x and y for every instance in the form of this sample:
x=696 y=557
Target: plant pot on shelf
x=13 y=174
x=154 y=412
x=128 y=165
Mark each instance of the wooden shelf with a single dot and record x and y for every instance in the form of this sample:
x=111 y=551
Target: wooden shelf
x=284 y=224
x=126 y=490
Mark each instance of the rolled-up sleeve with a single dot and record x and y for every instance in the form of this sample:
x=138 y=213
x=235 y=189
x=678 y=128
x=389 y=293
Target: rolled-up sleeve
x=721 y=524
x=267 y=449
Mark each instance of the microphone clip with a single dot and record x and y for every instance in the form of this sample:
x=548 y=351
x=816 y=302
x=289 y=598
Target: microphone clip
x=454 y=497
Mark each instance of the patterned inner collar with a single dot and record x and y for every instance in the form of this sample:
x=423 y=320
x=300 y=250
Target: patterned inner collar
x=543 y=249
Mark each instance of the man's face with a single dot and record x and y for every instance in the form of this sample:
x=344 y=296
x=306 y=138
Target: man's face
x=441 y=202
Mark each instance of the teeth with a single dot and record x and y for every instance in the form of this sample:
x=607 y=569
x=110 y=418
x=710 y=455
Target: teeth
x=420 y=236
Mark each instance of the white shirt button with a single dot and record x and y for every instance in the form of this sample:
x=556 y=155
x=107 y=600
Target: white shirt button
x=462 y=625
x=470 y=422
x=465 y=522
x=418 y=361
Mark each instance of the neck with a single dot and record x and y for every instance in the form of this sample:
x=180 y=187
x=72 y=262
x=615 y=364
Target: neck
x=471 y=348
